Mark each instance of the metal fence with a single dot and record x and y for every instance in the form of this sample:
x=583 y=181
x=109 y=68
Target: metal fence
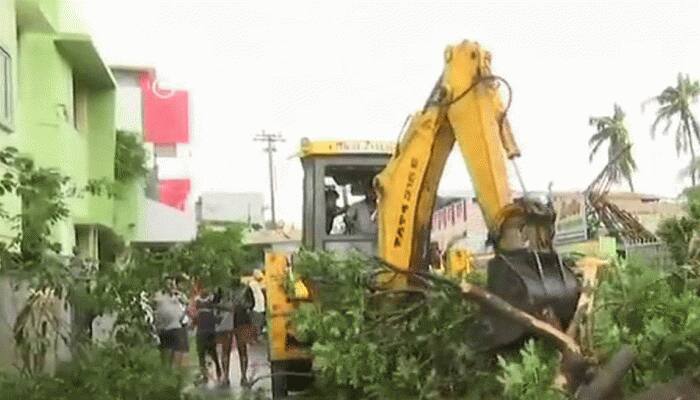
x=653 y=253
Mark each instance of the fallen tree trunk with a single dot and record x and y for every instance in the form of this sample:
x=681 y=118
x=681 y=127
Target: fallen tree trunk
x=489 y=300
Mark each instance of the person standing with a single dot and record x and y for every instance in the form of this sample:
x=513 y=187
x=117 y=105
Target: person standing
x=243 y=329
x=169 y=315
x=224 y=331
x=206 y=334
x=258 y=313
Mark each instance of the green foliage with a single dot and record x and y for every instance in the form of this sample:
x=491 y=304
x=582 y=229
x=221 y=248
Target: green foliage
x=216 y=257
x=109 y=372
x=658 y=312
x=530 y=374
x=130 y=157
x=678 y=233
x=43 y=193
x=373 y=343
x=388 y=344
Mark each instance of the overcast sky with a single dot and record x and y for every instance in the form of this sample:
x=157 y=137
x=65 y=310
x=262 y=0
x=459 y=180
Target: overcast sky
x=328 y=69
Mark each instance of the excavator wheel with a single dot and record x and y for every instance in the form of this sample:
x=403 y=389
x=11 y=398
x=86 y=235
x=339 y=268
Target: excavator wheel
x=532 y=282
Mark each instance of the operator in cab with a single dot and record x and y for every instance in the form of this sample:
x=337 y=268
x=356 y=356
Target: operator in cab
x=360 y=218
x=332 y=209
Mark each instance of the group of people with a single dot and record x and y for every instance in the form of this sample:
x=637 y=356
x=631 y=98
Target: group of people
x=220 y=317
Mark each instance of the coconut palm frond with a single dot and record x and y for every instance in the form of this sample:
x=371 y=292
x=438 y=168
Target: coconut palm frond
x=692 y=168
x=674 y=109
x=611 y=130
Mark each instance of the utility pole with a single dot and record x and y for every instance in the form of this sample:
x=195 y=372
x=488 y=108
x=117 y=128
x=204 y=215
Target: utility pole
x=270 y=139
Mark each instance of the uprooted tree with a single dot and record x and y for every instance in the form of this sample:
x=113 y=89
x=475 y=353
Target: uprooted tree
x=419 y=343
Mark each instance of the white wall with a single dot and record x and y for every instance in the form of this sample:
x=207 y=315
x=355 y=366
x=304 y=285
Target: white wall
x=129 y=109
x=168 y=224
x=232 y=207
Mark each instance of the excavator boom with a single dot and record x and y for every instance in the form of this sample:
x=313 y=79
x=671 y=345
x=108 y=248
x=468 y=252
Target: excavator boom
x=465 y=107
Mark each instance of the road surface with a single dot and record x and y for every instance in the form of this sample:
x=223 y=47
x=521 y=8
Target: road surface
x=257 y=367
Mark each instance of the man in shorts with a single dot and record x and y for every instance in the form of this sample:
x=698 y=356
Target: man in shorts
x=169 y=313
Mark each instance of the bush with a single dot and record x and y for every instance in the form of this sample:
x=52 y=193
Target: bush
x=105 y=372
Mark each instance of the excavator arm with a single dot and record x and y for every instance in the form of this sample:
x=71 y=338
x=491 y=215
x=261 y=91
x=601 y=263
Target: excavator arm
x=465 y=107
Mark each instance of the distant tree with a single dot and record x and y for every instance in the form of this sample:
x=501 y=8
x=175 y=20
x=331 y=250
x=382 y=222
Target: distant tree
x=680 y=233
x=692 y=170
x=612 y=130
x=674 y=107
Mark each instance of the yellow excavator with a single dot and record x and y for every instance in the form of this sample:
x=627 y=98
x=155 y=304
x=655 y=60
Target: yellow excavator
x=464 y=107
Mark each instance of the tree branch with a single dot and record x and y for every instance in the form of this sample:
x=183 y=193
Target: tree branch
x=484 y=298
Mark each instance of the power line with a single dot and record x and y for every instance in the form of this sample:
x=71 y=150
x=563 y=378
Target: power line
x=270 y=139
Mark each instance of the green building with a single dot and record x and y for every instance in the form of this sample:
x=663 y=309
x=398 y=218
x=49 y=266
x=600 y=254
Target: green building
x=58 y=103
x=65 y=116
x=8 y=96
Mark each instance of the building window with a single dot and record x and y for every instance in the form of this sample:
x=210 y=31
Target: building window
x=80 y=106
x=6 y=95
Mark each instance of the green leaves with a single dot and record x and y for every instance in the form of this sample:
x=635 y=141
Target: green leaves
x=383 y=344
x=419 y=344
x=680 y=234
x=110 y=372
x=130 y=158
x=657 y=312
x=530 y=374
x=215 y=258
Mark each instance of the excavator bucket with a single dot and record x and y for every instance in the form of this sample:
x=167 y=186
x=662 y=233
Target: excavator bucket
x=533 y=282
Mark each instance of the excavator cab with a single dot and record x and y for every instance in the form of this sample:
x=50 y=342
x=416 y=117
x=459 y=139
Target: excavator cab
x=339 y=205
x=338 y=216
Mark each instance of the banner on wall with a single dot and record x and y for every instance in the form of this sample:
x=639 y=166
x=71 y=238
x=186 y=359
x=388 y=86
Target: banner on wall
x=450 y=215
x=571 y=223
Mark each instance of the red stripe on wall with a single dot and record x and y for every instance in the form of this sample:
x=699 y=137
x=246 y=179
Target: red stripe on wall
x=165 y=112
x=174 y=192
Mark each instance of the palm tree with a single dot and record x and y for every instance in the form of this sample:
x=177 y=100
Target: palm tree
x=692 y=170
x=612 y=130
x=674 y=106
